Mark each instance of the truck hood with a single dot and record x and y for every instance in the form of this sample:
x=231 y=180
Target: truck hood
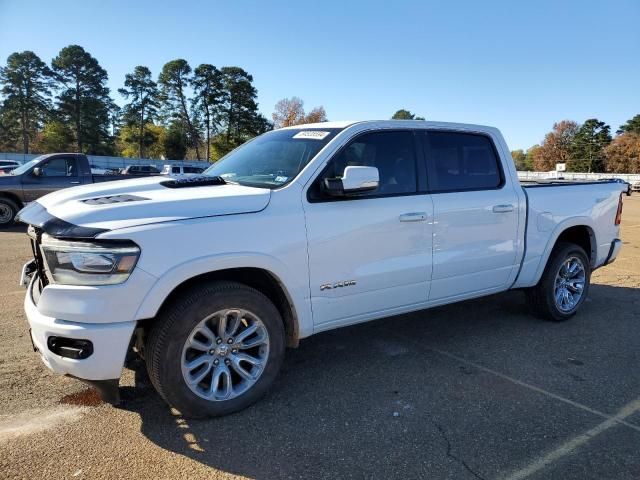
x=140 y=201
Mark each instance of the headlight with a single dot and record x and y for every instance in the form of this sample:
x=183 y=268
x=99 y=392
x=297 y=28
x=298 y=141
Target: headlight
x=84 y=263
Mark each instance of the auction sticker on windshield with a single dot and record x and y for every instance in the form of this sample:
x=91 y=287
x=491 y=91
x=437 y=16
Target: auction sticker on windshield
x=311 y=134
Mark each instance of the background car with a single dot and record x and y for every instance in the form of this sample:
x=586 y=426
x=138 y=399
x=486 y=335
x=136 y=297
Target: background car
x=619 y=180
x=140 y=170
x=180 y=170
x=98 y=170
x=7 y=166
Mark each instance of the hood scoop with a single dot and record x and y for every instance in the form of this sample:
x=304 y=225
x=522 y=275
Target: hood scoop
x=202 y=181
x=113 y=199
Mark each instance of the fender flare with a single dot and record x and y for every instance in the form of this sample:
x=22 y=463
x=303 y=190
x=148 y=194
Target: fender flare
x=298 y=297
x=553 y=239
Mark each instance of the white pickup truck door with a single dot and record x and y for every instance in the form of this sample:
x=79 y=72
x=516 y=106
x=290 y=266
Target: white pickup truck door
x=370 y=255
x=475 y=228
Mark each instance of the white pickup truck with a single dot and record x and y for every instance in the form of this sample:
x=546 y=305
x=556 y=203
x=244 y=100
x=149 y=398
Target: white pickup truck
x=300 y=230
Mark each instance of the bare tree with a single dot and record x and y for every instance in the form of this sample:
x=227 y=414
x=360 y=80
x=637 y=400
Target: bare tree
x=556 y=147
x=316 y=115
x=288 y=112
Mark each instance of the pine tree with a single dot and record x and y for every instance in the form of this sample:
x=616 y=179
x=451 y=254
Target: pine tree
x=240 y=114
x=403 y=114
x=587 y=147
x=83 y=100
x=209 y=96
x=174 y=79
x=142 y=93
x=26 y=86
x=632 y=126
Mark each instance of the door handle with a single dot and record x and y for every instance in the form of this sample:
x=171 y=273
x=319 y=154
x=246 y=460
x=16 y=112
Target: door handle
x=503 y=208
x=74 y=183
x=413 y=217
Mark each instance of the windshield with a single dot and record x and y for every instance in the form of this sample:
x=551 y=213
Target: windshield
x=273 y=159
x=26 y=166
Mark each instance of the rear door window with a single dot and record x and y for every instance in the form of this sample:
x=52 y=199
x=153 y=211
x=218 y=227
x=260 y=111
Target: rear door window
x=459 y=161
x=60 y=167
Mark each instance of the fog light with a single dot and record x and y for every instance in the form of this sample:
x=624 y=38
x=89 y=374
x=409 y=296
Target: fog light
x=70 y=347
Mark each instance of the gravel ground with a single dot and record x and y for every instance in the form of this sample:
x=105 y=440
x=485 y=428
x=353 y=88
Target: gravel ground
x=475 y=390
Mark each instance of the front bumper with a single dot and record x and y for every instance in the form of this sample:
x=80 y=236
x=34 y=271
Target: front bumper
x=110 y=343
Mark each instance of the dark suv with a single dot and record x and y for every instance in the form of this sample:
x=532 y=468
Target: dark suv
x=144 y=170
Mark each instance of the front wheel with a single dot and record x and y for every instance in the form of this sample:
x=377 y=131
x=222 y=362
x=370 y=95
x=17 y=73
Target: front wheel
x=564 y=285
x=216 y=350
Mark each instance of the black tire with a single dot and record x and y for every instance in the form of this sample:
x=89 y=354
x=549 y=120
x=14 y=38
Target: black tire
x=164 y=344
x=5 y=204
x=541 y=298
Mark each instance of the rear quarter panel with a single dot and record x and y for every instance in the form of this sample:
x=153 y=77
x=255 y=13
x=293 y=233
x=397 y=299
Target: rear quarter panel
x=553 y=209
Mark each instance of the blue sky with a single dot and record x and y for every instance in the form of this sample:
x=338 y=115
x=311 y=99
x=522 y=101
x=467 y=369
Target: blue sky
x=519 y=66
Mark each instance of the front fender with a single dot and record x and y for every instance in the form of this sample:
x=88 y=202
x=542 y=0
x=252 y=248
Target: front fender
x=295 y=283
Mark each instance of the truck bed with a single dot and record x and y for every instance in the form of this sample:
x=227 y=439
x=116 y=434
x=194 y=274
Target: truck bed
x=551 y=211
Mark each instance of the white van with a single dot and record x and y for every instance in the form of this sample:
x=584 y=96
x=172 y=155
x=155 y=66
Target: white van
x=180 y=170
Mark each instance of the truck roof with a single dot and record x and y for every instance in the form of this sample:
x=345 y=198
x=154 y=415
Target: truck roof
x=394 y=123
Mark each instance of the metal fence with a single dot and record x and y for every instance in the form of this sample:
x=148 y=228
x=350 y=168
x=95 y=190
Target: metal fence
x=112 y=163
x=627 y=177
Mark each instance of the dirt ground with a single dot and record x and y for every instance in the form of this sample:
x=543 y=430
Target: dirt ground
x=477 y=390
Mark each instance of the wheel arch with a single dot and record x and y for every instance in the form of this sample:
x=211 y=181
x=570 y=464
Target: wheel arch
x=265 y=280
x=577 y=231
x=13 y=197
x=583 y=236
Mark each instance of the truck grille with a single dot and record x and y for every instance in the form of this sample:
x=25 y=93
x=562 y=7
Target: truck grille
x=35 y=234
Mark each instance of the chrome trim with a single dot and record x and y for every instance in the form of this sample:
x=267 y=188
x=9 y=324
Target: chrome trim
x=331 y=286
x=225 y=354
x=570 y=283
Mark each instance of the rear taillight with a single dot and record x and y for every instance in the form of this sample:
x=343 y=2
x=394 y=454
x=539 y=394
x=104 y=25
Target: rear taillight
x=619 y=212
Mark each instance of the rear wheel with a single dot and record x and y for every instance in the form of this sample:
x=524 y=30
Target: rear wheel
x=216 y=350
x=8 y=211
x=564 y=285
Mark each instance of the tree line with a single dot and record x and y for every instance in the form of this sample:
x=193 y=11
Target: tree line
x=586 y=147
x=199 y=113
x=206 y=111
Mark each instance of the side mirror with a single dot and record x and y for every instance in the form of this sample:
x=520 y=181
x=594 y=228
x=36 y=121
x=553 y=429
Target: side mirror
x=354 y=180
x=37 y=172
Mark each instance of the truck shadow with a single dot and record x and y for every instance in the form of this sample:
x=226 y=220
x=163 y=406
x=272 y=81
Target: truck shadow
x=18 y=228
x=379 y=399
